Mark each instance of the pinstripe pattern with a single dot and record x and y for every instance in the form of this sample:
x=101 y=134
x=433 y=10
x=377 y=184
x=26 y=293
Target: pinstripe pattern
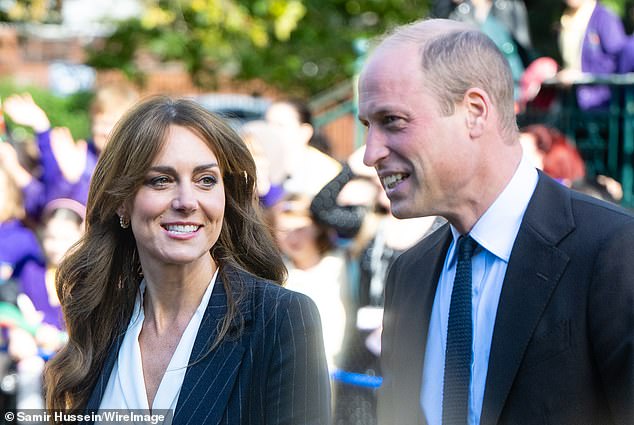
x=274 y=373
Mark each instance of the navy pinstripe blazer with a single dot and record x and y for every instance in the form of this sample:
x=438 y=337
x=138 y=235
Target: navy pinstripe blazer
x=274 y=372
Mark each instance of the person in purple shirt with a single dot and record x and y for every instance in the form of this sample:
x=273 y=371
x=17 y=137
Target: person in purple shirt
x=66 y=165
x=18 y=243
x=33 y=322
x=62 y=226
x=591 y=40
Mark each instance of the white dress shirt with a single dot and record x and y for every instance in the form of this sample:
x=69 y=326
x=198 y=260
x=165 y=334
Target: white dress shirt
x=126 y=386
x=495 y=232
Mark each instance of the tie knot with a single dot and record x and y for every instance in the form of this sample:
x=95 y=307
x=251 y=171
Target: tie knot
x=466 y=246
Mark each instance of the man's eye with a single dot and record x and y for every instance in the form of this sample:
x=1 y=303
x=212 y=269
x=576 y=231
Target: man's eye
x=390 y=119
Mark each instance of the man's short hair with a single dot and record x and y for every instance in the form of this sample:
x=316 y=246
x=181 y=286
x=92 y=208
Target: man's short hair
x=456 y=57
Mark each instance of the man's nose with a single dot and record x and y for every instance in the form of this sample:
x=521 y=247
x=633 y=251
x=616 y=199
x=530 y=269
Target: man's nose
x=375 y=148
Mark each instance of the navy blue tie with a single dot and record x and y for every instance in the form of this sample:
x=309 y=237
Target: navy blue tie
x=455 y=405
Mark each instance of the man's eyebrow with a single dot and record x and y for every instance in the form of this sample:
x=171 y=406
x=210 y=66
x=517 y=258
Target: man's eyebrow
x=377 y=113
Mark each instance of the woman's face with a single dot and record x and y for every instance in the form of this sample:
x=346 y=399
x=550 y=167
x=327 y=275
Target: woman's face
x=177 y=215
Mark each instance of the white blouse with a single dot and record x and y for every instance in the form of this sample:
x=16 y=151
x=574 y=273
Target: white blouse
x=126 y=385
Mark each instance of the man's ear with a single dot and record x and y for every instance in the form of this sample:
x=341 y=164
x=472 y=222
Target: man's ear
x=477 y=106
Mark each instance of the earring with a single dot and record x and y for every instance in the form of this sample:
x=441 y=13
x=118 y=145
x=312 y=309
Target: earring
x=124 y=222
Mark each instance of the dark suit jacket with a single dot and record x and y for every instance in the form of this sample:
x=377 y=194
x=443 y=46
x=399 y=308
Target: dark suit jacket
x=275 y=372
x=563 y=342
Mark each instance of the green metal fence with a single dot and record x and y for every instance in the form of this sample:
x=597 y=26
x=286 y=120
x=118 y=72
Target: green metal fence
x=604 y=136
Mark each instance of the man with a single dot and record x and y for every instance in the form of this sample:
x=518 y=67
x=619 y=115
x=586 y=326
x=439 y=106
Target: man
x=550 y=337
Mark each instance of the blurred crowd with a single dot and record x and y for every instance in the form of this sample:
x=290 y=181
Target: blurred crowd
x=331 y=219
x=592 y=40
x=43 y=193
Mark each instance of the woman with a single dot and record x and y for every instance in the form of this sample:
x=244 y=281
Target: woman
x=552 y=152
x=169 y=297
x=315 y=267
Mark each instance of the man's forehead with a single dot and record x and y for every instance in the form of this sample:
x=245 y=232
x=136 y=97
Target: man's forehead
x=390 y=65
x=391 y=72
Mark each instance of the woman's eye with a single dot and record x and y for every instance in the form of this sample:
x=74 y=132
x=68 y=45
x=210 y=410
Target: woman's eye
x=159 y=181
x=208 y=181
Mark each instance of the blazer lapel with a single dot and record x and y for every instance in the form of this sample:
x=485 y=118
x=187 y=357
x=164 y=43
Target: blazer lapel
x=100 y=387
x=414 y=316
x=211 y=377
x=533 y=272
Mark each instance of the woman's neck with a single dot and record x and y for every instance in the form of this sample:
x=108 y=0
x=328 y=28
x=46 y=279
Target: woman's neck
x=174 y=293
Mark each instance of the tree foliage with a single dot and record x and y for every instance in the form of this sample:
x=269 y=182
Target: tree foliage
x=70 y=111
x=300 y=46
x=30 y=10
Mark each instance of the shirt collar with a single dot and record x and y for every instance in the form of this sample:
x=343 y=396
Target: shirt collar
x=497 y=228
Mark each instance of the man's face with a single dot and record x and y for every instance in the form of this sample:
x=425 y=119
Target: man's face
x=418 y=151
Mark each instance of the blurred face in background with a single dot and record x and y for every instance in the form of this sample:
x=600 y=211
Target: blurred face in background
x=575 y=4
x=102 y=125
x=285 y=119
x=296 y=236
x=60 y=232
x=299 y=238
x=529 y=147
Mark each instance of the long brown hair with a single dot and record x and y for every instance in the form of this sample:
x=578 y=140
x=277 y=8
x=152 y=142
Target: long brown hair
x=98 y=280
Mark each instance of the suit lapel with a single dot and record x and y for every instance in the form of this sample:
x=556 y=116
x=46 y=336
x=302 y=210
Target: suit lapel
x=533 y=272
x=100 y=387
x=414 y=316
x=211 y=377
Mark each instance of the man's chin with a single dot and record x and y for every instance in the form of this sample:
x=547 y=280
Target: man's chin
x=402 y=209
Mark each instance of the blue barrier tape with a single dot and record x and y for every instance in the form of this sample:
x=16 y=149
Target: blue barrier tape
x=358 y=379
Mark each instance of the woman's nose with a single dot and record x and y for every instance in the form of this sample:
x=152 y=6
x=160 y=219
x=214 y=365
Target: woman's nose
x=185 y=200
